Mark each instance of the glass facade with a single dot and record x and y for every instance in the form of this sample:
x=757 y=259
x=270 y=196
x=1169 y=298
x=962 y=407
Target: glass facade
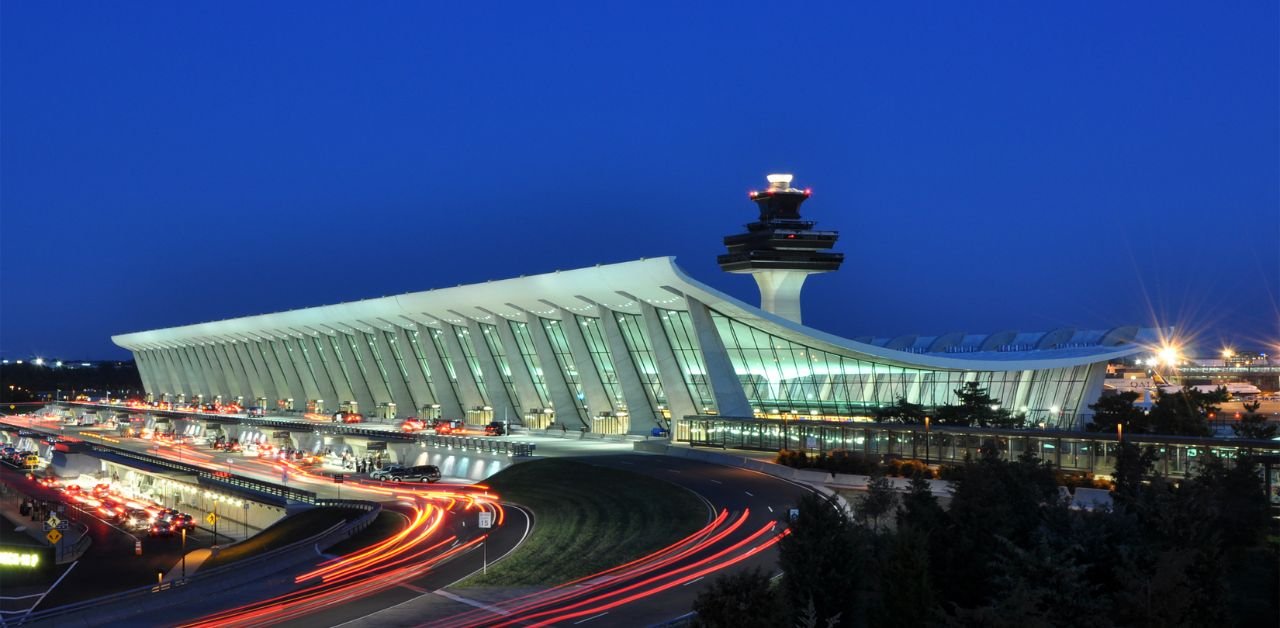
x=306 y=359
x=398 y=356
x=370 y=340
x=266 y=363
x=494 y=344
x=780 y=376
x=599 y=351
x=637 y=341
x=355 y=353
x=564 y=358
x=437 y=340
x=342 y=365
x=422 y=362
x=473 y=364
x=684 y=343
x=524 y=342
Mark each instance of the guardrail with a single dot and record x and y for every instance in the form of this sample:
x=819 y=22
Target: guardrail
x=477 y=444
x=140 y=599
x=217 y=477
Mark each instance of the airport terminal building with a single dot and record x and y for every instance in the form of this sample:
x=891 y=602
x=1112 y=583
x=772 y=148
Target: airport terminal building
x=620 y=348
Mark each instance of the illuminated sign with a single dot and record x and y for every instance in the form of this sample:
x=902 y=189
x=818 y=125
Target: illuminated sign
x=26 y=560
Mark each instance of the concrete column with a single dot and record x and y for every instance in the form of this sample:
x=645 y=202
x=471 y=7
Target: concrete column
x=669 y=372
x=643 y=417
x=377 y=387
x=257 y=385
x=447 y=397
x=297 y=389
x=503 y=407
x=271 y=383
x=325 y=361
x=179 y=384
x=297 y=365
x=208 y=377
x=731 y=399
x=467 y=389
x=566 y=402
x=359 y=385
x=780 y=291
x=406 y=402
x=418 y=386
x=521 y=378
x=225 y=351
x=148 y=371
x=221 y=378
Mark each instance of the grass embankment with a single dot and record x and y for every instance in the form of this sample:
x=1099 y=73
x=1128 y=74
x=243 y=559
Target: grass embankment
x=384 y=526
x=288 y=530
x=587 y=518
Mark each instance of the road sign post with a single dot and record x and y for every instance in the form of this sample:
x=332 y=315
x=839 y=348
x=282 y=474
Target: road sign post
x=486 y=522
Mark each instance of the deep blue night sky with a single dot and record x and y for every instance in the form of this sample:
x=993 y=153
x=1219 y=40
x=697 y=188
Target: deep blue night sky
x=990 y=166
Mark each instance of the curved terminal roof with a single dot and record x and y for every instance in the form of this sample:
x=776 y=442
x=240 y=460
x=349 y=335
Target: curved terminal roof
x=660 y=283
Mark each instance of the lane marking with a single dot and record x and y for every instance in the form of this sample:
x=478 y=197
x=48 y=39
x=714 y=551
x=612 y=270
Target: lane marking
x=771 y=509
x=749 y=493
x=470 y=602
x=583 y=621
x=717 y=481
x=418 y=590
x=692 y=581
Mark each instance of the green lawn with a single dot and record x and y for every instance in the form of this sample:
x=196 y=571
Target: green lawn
x=288 y=530
x=587 y=518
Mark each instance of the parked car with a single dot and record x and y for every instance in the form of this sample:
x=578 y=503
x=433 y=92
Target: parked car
x=496 y=428
x=256 y=411
x=421 y=473
x=138 y=519
x=384 y=472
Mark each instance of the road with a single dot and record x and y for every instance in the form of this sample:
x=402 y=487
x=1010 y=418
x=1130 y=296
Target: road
x=749 y=509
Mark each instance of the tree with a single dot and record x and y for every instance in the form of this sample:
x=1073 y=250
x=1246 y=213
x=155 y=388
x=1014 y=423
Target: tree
x=740 y=600
x=879 y=501
x=1118 y=409
x=902 y=411
x=920 y=509
x=977 y=408
x=1133 y=466
x=1254 y=425
x=1186 y=412
x=821 y=561
x=907 y=596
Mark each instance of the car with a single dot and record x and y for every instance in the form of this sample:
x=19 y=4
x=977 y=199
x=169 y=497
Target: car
x=255 y=411
x=160 y=528
x=182 y=521
x=421 y=473
x=413 y=424
x=496 y=428
x=138 y=519
x=111 y=510
x=50 y=482
x=347 y=417
x=384 y=472
x=450 y=427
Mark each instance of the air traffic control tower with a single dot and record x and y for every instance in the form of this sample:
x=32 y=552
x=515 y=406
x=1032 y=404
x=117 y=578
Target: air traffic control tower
x=781 y=249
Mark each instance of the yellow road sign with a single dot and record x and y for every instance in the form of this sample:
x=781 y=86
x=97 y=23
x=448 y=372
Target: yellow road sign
x=54 y=536
x=211 y=518
x=53 y=521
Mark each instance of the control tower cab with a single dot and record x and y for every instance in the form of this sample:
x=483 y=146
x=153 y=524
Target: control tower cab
x=781 y=249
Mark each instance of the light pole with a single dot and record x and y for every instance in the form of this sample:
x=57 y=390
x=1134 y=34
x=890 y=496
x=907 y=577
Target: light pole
x=184 y=554
x=926 y=441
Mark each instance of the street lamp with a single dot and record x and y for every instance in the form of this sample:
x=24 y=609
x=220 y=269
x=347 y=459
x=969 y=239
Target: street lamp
x=926 y=441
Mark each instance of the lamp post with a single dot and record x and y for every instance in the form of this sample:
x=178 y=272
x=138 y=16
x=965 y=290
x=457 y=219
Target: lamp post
x=926 y=441
x=184 y=553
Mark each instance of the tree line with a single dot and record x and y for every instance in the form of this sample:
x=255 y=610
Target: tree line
x=1008 y=550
